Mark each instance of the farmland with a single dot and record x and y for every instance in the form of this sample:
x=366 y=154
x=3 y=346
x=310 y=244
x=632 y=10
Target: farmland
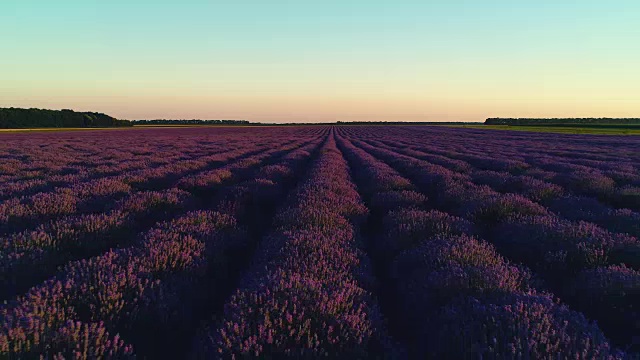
x=319 y=241
x=570 y=129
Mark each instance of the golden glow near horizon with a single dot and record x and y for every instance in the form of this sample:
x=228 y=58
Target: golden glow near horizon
x=350 y=61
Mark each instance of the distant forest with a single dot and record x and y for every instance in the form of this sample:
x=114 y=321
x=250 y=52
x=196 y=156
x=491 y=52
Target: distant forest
x=404 y=123
x=16 y=118
x=246 y=122
x=355 y=123
x=561 y=121
x=190 y=122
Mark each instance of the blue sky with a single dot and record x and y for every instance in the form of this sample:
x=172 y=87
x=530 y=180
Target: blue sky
x=320 y=61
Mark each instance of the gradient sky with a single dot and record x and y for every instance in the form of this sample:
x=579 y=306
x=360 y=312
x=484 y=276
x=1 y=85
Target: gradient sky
x=323 y=60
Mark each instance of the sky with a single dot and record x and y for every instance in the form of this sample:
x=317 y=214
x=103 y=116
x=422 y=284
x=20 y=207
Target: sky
x=331 y=60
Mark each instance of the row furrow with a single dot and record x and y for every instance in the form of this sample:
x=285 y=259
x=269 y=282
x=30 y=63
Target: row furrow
x=450 y=293
x=587 y=257
x=306 y=294
x=152 y=290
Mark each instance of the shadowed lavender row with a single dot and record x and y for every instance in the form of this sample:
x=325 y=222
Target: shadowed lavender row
x=564 y=248
x=451 y=294
x=96 y=195
x=559 y=191
x=148 y=292
x=305 y=295
x=345 y=242
x=30 y=255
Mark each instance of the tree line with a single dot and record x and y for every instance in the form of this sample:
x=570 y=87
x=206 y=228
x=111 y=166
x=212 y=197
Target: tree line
x=16 y=118
x=190 y=122
x=561 y=121
x=246 y=122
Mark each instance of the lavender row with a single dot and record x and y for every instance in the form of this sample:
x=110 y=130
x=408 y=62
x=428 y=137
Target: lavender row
x=451 y=146
x=54 y=156
x=571 y=207
x=53 y=162
x=608 y=154
x=546 y=244
x=96 y=195
x=133 y=288
x=453 y=292
x=525 y=232
x=600 y=181
x=603 y=247
x=32 y=255
x=150 y=293
x=455 y=193
x=305 y=293
x=92 y=196
x=545 y=189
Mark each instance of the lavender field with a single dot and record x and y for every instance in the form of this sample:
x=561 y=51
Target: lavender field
x=350 y=242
